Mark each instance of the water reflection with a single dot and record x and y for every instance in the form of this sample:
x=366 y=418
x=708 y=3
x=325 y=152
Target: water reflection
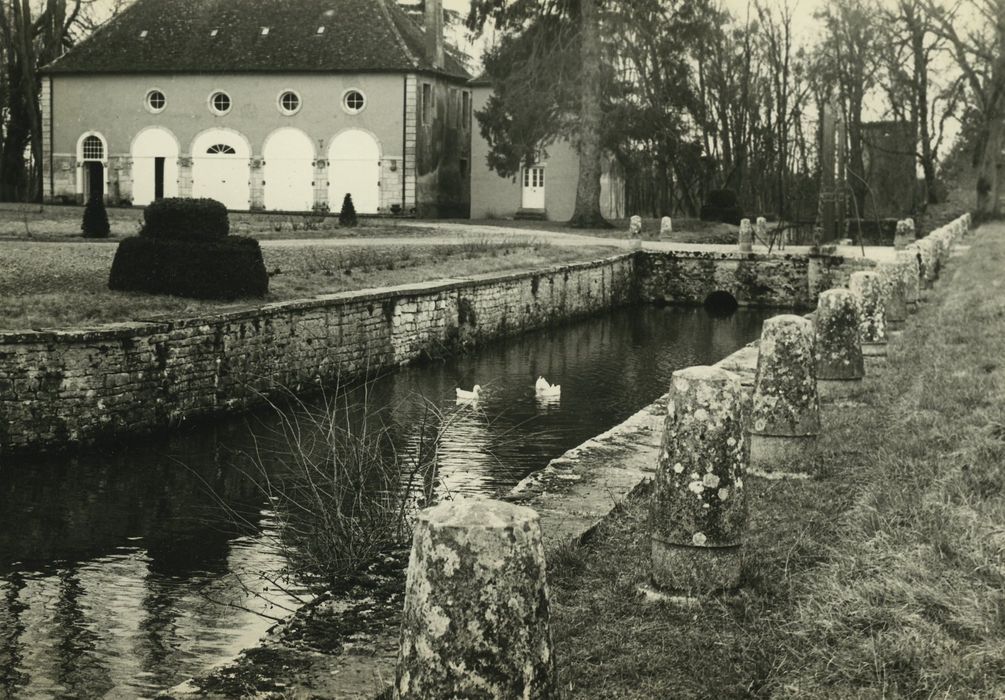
x=131 y=569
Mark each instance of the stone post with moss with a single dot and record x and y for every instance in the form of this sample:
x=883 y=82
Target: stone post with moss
x=907 y=261
x=476 y=618
x=785 y=411
x=894 y=295
x=746 y=240
x=840 y=366
x=904 y=235
x=929 y=259
x=869 y=287
x=698 y=510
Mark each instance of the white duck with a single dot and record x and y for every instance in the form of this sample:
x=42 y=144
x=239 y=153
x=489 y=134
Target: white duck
x=465 y=395
x=544 y=390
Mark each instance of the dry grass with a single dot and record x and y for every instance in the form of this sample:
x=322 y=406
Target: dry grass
x=685 y=230
x=45 y=285
x=884 y=576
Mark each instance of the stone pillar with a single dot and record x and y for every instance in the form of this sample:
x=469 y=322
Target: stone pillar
x=185 y=176
x=869 y=287
x=698 y=509
x=904 y=235
x=907 y=261
x=746 y=236
x=321 y=203
x=785 y=412
x=258 y=184
x=894 y=296
x=840 y=365
x=666 y=226
x=762 y=229
x=635 y=227
x=476 y=618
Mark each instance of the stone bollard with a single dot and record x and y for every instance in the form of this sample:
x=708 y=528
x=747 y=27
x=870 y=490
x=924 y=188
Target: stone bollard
x=928 y=251
x=635 y=226
x=904 y=235
x=785 y=412
x=476 y=619
x=698 y=509
x=840 y=366
x=894 y=296
x=761 y=229
x=869 y=287
x=666 y=226
x=907 y=261
x=746 y=242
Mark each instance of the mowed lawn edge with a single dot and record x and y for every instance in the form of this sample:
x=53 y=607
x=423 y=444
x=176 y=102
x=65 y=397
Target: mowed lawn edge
x=65 y=285
x=882 y=576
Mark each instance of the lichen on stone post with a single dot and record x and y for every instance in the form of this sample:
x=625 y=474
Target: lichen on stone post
x=840 y=365
x=904 y=235
x=666 y=226
x=928 y=252
x=476 y=618
x=635 y=226
x=907 y=261
x=698 y=510
x=869 y=287
x=761 y=229
x=894 y=295
x=785 y=410
x=746 y=240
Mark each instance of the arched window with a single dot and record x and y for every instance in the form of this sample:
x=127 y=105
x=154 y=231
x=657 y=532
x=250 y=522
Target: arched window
x=93 y=148
x=221 y=149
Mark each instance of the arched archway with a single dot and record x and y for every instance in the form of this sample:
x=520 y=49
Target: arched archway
x=221 y=167
x=354 y=168
x=289 y=170
x=720 y=303
x=92 y=171
x=155 y=165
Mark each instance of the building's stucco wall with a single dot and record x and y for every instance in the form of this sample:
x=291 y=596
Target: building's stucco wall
x=443 y=151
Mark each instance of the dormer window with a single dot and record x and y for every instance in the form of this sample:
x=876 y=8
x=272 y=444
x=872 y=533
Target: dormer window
x=213 y=33
x=143 y=34
x=321 y=29
x=265 y=31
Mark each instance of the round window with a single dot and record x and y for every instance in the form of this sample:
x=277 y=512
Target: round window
x=219 y=102
x=289 y=102
x=353 y=101
x=156 y=102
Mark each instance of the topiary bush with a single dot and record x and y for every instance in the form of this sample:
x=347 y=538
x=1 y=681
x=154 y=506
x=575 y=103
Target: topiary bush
x=176 y=218
x=226 y=268
x=347 y=217
x=722 y=206
x=95 y=223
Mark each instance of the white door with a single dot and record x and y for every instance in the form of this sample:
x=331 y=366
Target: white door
x=289 y=171
x=533 y=187
x=354 y=168
x=221 y=169
x=155 y=166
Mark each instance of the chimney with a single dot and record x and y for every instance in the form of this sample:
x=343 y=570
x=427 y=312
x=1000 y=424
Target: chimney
x=434 y=32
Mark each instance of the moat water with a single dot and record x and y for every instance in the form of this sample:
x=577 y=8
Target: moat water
x=132 y=568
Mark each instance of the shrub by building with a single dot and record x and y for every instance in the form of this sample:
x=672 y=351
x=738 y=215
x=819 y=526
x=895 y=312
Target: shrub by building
x=347 y=217
x=184 y=249
x=95 y=223
x=722 y=206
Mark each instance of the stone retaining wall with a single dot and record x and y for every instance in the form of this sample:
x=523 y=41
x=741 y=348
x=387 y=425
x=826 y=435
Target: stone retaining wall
x=753 y=279
x=59 y=388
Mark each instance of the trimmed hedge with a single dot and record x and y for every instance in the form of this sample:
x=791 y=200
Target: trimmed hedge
x=722 y=206
x=228 y=268
x=176 y=218
x=95 y=223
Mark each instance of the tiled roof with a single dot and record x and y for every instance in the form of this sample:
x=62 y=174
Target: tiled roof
x=176 y=36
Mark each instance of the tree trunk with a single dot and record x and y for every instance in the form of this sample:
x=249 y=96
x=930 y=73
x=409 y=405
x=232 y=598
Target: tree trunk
x=987 y=171
x=587 y=210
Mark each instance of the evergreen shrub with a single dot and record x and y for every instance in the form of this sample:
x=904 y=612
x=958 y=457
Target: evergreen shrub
x=722 y=206
x=225 y=268
x=178 y=218
x=95 y=223
x=347 y=217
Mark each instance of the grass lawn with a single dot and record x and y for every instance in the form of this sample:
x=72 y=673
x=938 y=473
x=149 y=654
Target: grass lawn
x=46 y=285
x=685 y=230
x=883 y=576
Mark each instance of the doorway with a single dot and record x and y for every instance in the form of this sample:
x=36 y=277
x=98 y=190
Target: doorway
x=94 y=180
x=159 y=178
x=533 y=187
